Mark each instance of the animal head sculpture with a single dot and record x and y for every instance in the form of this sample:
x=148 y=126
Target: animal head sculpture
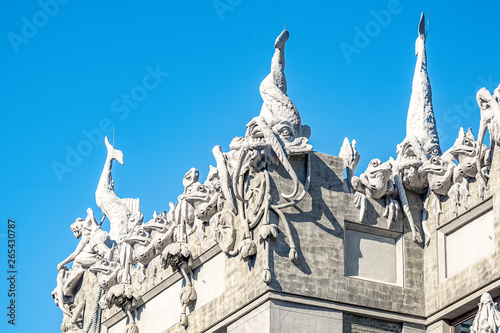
x=376 y=180
x=141 y=242
x=160 y=229
x=421 y=140
x=277 y=132
x=203 y=199
x=439 y=173
x=106 y=272
x=464 y=150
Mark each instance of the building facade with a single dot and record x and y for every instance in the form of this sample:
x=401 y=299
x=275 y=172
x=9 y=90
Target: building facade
x=280 y=238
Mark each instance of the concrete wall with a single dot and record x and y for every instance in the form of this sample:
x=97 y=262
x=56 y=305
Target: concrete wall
x=350 y=276
x=282 y=317
x=358 y=324
x=318 y=226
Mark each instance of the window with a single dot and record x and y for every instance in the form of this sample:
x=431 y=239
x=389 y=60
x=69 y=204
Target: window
x=463 y=323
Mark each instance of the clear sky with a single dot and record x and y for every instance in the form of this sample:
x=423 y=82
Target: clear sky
x=176 y=78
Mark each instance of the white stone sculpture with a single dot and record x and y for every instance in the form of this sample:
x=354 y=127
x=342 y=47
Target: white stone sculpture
x=237 y=200
x=91 y=249
x=350 y=158
x=117 y=210
x=126 y=297
x=133 y=228
x=490 y=110
x=464 y=151
x=179 y=256
x=487 y=319
x=441 y=173
x=421 y=141
x=277 y=130
x=377 y=183
x=107 y=273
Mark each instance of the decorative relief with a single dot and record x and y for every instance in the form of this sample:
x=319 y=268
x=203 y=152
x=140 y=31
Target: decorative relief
x=233 y=205
x=235 y=196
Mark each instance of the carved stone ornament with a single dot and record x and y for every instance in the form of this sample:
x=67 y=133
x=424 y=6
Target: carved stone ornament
x=240 y=208
x=487 y=319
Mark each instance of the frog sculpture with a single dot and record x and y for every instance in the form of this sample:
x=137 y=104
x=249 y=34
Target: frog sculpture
x=377 y=183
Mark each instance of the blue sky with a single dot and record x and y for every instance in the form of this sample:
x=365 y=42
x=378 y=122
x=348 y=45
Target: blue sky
x=191 y=71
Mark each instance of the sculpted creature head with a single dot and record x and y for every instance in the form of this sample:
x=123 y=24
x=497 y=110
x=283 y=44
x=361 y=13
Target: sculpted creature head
x=439 y=173
x=106 y=272
x=464 y=150
x=203 y=199
x=377 y=178
x=411 y=155
x=144 y=250
x=277 y=132
x=160 y=229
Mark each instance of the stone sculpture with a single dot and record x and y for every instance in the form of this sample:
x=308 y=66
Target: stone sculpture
x=238 y=206
x=441 y=173
x=117 y=210
x=376 y=182
x=350 y=157
x=487 y=319
x=91 y=249
x=126 y=297
x=489 y=105
x=421 y=141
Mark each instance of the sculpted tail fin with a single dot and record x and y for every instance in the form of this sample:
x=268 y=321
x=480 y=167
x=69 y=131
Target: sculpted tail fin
x=113 y=154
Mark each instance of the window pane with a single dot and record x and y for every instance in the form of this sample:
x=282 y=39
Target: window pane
x=463 y=327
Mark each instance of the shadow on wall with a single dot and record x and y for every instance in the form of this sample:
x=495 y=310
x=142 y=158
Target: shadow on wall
x=325 y=185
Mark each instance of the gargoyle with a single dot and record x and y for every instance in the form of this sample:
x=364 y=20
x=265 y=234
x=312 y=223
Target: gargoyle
x=161 y=229
x=277 y=132
x=464 y=151
x=142 y=245
x=107 y=273
x=421 y=141
x=470 y=164
x=376 y=182
x=441 y=173
x=204 y=201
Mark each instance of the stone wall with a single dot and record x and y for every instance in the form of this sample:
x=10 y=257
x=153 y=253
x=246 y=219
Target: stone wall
x=444 y=289
x=318 y=227
x=358 y=324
